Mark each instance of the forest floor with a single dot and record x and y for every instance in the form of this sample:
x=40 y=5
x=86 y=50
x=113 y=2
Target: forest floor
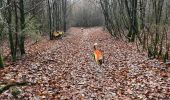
x=65 y=69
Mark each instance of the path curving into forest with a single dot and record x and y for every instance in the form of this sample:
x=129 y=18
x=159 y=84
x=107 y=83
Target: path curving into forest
x=65 y=69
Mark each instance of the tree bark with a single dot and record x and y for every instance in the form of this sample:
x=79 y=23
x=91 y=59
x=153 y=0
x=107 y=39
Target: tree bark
x=131 y=8
x=16 y=28
x=22 y=21
x=64 y=5
x=1 y=59
x=1 y=62
x=10 y=35
x=50 y=20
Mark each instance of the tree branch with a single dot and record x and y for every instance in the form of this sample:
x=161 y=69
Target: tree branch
x=34 y=7
x=11 y=85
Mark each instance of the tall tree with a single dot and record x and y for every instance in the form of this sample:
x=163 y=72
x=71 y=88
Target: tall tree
x=50 y=19
x=22 y=22
x=157 y=13
x=10 y=35
x=131 y=8
x=64 y=5
x=1 y=59
x=16 y=28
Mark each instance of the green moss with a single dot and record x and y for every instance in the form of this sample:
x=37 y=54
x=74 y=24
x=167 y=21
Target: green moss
x=15 y=91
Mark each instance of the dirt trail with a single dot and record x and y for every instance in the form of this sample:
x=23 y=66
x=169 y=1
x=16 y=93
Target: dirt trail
x=66 y=70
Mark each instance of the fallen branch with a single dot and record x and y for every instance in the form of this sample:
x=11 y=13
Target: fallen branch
x=11 y=85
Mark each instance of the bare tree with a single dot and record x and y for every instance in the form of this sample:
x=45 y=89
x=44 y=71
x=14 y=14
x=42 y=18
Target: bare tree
x=1 y=29
x=22 y=22
x=64 y=8
x=10 y=35
x=50 y=19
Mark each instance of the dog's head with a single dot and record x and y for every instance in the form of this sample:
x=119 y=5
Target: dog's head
x=95 y=46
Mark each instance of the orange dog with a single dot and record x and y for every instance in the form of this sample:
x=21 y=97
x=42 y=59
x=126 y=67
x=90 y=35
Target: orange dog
x=98 y=56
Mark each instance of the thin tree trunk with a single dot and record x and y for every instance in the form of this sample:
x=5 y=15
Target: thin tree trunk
x=1 y=59
x=16 y=28
x=1 y=62
x=132 y=14
x=22 y=21
x=57 y=15
x=64 y=3
x=50 y=20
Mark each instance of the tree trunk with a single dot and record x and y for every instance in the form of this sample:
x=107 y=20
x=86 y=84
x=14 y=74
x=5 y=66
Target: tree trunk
x=1 y=62
x=16 y=29
x=9 y=21
x=1 y=59
x=64 y=3
x=132 y=14
x=22 y=21
x=1 y=3
x=57 y=15
x=50 y=20
x=157 y=11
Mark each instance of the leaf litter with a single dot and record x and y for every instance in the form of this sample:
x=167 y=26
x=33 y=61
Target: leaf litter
x=64 y=69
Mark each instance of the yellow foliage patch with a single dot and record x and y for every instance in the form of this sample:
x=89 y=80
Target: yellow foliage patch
x=58 y=34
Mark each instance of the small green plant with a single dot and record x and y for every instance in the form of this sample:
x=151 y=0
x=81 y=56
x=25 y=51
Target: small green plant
x=93 y=56
x=15 y=91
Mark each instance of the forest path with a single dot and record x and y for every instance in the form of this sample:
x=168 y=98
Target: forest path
x=65 y=69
